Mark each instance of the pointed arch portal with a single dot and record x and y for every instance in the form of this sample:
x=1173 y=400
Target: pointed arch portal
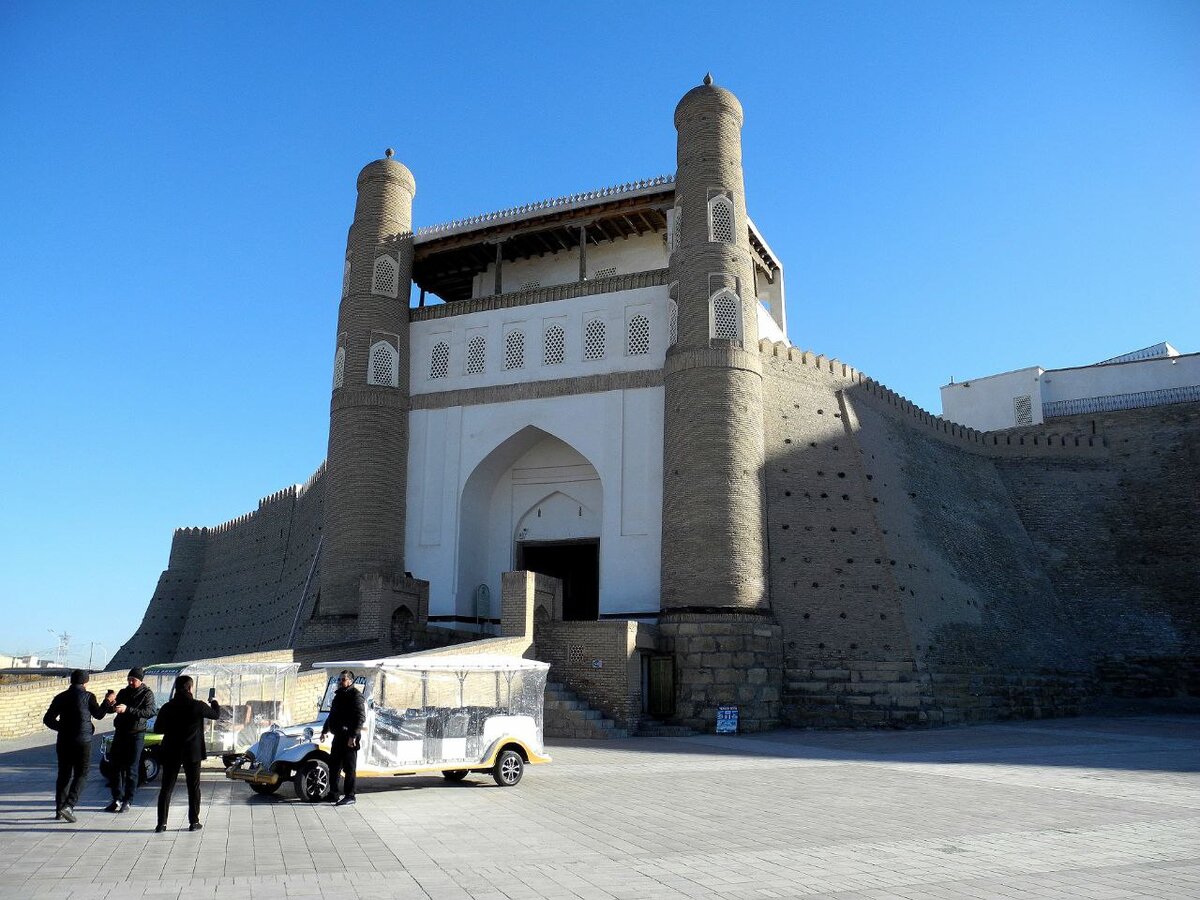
x=534 y=502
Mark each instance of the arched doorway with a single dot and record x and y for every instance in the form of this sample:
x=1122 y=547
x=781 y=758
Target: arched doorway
x=533 y=502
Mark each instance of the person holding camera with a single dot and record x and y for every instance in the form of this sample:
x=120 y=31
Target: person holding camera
x=181 y=723
x=347 y=716
x=134 y=704
x=70 y=714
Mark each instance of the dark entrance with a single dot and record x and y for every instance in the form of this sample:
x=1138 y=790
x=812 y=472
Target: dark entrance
x=577 y=563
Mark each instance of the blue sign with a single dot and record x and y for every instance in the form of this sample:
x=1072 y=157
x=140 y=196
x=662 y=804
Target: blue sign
x=727 y=719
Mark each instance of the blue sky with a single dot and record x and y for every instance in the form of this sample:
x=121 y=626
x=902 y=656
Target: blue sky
x=955 y=190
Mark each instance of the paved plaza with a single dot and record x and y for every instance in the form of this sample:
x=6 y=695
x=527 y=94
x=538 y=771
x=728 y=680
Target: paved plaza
x=1092 y=807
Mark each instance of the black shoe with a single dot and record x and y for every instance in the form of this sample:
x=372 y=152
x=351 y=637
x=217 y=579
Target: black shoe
x=124 y=807
x=195 y=826
x=345 y=801
x=159 y=829
x=58 y=814
x=334 y=799
x=113 y=807
x=67 y=813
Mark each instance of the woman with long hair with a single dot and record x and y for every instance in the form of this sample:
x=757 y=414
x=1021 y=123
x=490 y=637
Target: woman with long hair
x=181 y=723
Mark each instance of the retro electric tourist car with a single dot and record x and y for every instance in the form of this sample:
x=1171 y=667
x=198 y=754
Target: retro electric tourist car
x=425 y=714
x=253 y=697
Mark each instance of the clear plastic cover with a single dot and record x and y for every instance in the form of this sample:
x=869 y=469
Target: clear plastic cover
x=448 y=716
x=253 y=697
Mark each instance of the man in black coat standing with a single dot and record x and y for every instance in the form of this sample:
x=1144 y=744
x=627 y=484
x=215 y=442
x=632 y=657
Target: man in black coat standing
x=181 y=723
x=347 y=716
x=133 y=705
x=70 y=714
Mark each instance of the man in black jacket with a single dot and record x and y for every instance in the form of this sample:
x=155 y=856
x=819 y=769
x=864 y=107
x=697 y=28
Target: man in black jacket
x=133 y=705
x=347 y=716
x=70 y=714
x=181 y=723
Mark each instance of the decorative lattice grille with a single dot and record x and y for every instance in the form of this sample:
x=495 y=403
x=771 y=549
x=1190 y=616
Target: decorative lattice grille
x=385 y=276
x=531 y=285
x=1023 y=408
x=608 y=272
x=514 y=350
x=720 y=223
x=383 y=365
x=593 y=340
x=476 y=355
x=677 y=231
x=554 y=350
x=638 y=341
x=439 y=360
x=673 y=322
x=727 y=316
x=346 y=277
x=339 y=367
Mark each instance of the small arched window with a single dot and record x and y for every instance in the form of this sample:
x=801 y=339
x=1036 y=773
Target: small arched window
x=385 y=276
x=725 y=316
x=514 y=350
x=720 y=219
x=339 y=367
x=672 y=323
x=476 y=355
x=593 y=340
x=554 y=350
x=346 y=276
x=439 y=360
x=383 y=365
x=638 y=340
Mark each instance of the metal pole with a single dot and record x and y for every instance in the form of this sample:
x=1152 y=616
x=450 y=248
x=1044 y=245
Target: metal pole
x=499 y=265
x=583 y=253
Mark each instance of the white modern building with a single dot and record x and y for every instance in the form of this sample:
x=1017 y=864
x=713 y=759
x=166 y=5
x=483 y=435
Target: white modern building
x=1152 y=376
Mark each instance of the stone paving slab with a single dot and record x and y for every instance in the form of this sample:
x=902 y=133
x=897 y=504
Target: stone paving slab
x=1094 y=808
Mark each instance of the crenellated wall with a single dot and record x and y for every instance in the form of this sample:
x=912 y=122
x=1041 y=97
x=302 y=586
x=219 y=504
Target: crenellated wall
x=237 y=587
x=925 y=572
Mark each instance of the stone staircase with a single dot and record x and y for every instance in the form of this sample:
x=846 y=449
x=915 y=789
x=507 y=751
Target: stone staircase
x=567 y=715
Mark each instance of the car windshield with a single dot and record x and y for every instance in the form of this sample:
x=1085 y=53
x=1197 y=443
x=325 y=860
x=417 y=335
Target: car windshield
x=331 y=685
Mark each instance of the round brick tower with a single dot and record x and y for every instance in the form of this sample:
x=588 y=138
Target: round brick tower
x=368 y=415
x=715 y=610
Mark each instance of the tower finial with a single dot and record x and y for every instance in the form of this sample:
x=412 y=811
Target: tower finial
x=708 y=78
x=389 y=152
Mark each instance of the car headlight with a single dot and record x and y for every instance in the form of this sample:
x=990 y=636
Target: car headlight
x=308 y=733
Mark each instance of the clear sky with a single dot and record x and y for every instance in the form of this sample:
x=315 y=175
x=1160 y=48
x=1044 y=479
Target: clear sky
x=955 y=189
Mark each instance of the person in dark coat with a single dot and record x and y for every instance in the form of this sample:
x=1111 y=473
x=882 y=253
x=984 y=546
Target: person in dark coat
x=133 y=705
x=181 y=723
x=70 y=714
x=347 y=716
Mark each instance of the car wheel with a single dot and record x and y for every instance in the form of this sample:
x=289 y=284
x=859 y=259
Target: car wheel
x=265 y=789
x=509 y=768
x=455 y=774
x=150 y=769
x=312 y=781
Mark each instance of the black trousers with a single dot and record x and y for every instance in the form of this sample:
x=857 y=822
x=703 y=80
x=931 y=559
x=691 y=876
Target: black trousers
x=343 y=757
x=125 y=755
x=170 y=774
x=74 y=758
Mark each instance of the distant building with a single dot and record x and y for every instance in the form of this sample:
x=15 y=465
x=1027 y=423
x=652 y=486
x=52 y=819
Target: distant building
x=1152 y=376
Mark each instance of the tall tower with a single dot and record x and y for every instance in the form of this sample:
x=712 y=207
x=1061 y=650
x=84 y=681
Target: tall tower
x=713 y=454
x=713 y=546
x=368 y=414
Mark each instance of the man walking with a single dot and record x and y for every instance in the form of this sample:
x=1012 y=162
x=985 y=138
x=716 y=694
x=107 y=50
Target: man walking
x=347 y=715
x=70 y=714
x=181 y=723
x=133 y=705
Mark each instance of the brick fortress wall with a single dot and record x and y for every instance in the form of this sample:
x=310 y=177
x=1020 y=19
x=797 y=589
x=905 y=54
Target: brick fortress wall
x=235 y=588
x=924 y=572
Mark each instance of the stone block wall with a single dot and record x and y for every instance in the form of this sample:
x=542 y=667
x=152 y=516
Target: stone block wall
x=726 y=659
